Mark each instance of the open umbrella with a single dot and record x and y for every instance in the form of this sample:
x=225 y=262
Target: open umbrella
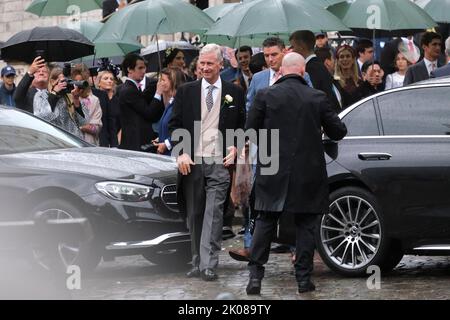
x=387 y=17
x=43 y=8
x=53 y=43
x=439 y=10
x=155 y=51
x=152 y=17
x=275 y=17
x=90 y=30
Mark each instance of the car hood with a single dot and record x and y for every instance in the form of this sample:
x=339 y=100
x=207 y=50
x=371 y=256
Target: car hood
x=96 y=161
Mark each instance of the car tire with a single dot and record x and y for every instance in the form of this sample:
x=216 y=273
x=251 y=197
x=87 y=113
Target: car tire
x=349 y=241
x=84 y=253
x=169 y=256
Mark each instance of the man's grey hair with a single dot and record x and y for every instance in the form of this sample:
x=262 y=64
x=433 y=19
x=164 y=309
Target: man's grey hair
x=447 y=47
x=213 y=48
x=293 y=59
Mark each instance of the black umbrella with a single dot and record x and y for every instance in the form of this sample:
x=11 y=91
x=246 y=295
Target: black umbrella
x=53 y=43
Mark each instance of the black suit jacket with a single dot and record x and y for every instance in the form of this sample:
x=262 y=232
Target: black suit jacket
x=24 y=94
x=136 y=117
x=187 y=109
x=298 y=112
x=322 y=80
x=416 y=73
x=108 y=134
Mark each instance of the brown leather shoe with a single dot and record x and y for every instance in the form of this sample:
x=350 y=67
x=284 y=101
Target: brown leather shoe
x=240 y=254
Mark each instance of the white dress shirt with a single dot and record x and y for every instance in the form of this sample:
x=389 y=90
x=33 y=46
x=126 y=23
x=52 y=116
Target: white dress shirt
x=429 y=65
x=215 y=93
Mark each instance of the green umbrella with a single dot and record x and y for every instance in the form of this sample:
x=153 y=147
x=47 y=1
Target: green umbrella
x=217 y=12
x=439 y=10
x=389 y=17
x=90 y=30
x=275 y=16
x=61 y=7
x=152 y=17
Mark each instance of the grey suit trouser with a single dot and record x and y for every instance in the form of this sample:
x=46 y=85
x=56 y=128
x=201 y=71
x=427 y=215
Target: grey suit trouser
x=205 y=190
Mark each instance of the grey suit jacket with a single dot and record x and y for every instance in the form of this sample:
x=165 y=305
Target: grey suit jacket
x=441 y=72
x=416 y=73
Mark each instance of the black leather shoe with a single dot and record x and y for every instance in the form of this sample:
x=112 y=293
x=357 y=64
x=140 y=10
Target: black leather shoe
x=209 y=275
x=193 y=273
x=253 y=286
x=306 y=286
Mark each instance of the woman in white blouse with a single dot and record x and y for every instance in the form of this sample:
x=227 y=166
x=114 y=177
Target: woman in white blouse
x=395 y=80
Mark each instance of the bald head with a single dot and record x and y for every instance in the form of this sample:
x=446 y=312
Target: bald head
x=293 y=63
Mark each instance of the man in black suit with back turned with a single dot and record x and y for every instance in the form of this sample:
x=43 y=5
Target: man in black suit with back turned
x=300 y=186
x=431 y=43
x=206 y=108
x=303 y=42
x=136 y=113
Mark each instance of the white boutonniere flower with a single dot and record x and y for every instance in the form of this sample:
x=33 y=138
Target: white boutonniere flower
x=337 y=78
x=228 y=99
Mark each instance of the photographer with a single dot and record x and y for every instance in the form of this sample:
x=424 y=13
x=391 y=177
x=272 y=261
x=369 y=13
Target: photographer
x=91 y=129
x=62 y=107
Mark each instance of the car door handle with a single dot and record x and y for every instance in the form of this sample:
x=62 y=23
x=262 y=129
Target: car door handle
x=374 y=156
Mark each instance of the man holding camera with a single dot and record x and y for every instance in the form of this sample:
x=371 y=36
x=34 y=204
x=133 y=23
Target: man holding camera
x=48 y=96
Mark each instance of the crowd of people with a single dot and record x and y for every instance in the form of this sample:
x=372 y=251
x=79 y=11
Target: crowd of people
x=298 y=89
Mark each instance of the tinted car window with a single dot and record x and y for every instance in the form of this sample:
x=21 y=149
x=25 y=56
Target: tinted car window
x=20 y=132
x=420 y=111
x=362 y=121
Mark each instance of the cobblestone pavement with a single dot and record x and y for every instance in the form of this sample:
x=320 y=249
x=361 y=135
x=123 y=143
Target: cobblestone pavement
x=136 y=278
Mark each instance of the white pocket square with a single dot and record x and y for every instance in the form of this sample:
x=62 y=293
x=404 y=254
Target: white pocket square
x=232 y=107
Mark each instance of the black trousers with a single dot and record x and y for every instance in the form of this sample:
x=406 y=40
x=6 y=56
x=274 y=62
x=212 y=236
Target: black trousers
x=265 y=229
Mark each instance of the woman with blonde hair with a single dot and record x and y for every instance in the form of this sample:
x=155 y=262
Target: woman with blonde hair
x=107 y=82
x=91 y=129
x=347 y=74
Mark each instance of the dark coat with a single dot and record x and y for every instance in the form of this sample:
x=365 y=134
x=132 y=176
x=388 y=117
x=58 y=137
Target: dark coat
x=322 y=80
x=136 y=117
x=298 y=112
x=24 y=94
x=417 y=72
x=187 y=109
x=6 y=96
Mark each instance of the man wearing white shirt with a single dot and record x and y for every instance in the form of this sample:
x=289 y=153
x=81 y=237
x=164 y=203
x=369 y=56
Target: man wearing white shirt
x=431 y=43
x=213 y=106
x=444 y=70
x=365 y=52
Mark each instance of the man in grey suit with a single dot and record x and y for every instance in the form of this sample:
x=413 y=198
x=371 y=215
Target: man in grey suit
x=206 y=109
x=445 y=70
x=431 y=43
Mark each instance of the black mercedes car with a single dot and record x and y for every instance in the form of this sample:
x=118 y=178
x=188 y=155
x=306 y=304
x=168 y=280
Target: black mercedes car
x=389 y=181
x=128 y=198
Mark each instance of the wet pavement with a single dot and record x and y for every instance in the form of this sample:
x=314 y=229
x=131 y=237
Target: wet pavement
x=136 y=278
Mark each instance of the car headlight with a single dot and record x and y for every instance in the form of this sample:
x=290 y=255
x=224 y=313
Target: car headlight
x=123 y=191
